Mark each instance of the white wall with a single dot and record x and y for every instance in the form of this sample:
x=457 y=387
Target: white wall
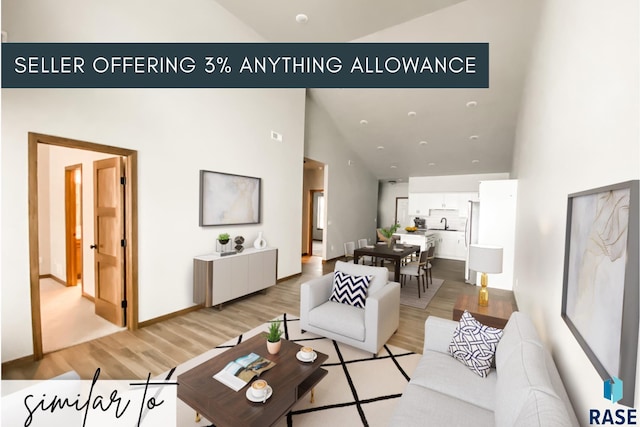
x=176 y=132
x=451 y=183
x=44 y=219
x=387 y=194
x=578 y=130
x=351 y=192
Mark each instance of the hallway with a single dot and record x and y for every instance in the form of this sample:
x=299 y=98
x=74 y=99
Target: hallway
x=68 y=318
x=317 y=248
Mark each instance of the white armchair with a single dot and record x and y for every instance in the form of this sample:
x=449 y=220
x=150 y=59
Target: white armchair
x=367 y=328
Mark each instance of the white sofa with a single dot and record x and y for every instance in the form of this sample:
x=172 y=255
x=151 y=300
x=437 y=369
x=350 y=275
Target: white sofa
x=524 y=389
x=366 y=328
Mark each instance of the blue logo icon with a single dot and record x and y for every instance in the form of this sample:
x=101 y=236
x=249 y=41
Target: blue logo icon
x=613 y=389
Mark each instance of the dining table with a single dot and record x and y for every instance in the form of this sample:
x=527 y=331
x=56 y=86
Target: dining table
x=382 y=250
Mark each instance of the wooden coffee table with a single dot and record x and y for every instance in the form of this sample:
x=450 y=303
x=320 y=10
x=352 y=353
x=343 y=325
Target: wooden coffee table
x=290 y=380
x=501 y=304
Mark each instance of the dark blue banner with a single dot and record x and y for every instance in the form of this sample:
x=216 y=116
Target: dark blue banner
x=245 y=65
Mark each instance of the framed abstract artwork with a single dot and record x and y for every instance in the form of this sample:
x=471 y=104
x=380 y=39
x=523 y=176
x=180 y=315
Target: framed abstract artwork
x=600 y=283
x=227 y=199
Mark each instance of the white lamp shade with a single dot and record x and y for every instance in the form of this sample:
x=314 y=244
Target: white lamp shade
x=485 y=259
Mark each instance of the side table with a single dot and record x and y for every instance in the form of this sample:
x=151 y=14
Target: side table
x=496 y=314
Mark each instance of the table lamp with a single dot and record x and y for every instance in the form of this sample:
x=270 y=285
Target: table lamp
x=485 y=259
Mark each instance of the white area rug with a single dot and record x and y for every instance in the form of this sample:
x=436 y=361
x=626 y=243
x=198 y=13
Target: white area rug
x=409 y=293
x=359 y=389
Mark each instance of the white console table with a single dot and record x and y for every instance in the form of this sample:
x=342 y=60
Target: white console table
x=218 y=279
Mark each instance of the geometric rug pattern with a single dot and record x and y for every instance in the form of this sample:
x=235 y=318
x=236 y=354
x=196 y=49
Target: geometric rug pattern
x=359 y=390
x=409 y=293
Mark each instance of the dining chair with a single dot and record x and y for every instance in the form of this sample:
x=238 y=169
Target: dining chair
x=366 y=258
x=428 y=267
x=416 y=270
x=349 y=247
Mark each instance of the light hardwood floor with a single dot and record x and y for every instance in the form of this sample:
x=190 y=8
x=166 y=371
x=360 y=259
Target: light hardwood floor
x=161 y=346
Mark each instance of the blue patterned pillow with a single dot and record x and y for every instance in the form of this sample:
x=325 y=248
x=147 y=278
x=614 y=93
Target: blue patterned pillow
x=349 y=289
x=475 y=344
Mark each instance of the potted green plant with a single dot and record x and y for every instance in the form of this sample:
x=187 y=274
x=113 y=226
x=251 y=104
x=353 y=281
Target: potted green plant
x=386 y=234
x=274 y=334
x=223 y=238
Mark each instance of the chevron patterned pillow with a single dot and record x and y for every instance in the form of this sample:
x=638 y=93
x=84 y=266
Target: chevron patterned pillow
x=349 y=289
x=475 y=344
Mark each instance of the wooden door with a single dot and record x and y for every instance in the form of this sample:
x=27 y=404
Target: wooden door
x=402 y=212
x=109 y=239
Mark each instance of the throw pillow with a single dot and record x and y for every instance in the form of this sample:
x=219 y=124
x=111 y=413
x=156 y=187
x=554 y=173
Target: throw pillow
x=475 y=344
x=349 y=289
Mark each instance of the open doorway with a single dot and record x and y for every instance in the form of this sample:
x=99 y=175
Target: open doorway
x=314 y=209
x=317 y=221
x=104 y=273
x=73 y=223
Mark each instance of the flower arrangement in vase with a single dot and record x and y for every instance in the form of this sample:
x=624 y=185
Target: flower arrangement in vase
x=386 y=234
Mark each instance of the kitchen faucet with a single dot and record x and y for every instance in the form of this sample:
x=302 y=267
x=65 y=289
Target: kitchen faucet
x=446 y=227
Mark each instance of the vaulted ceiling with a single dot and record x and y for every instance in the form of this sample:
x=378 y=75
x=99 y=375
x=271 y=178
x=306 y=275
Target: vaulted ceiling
x=416 y=132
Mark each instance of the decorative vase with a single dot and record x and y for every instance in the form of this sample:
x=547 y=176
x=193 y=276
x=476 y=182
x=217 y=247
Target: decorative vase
x=273 y=347
x=260 y=243
x=390 y=242
x=222 y=245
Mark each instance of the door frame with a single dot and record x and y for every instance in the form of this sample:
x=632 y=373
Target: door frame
x=310 y=228
x=130 y=218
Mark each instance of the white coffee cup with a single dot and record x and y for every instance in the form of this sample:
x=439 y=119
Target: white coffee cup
x=306 y=353
x=259 y=389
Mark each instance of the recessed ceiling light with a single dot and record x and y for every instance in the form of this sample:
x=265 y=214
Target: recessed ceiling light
x=475 y=161
x=394 y=167
x=471 y=104
x=380 y=147
x=411 y=113
x=423 y=142
x=473 y=137
x=301 y=18
x=431 y=164
x=364 y=122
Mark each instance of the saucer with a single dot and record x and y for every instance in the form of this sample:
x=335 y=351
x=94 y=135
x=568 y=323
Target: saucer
x=398 y=249
x=299 y=357
x=258 y=399
x=369 y=246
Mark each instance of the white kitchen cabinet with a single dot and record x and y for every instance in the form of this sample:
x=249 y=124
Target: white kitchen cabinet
x=450 y=244
x=424 y=240
x=419 y=204
x=218 y=279
x=461 y=247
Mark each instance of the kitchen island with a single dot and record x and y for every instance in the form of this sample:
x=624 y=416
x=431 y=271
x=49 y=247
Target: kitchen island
x=450 y=244
x=422 y=238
